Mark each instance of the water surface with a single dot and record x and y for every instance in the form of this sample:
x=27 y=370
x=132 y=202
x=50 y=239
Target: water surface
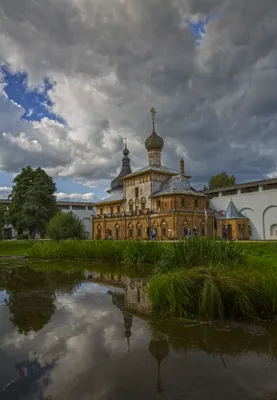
x=64 y=336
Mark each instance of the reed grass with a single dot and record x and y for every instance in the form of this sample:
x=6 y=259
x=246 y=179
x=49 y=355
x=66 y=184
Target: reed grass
x=200 y=252
x=9 y=248
x=79 y=249
x=216 y=291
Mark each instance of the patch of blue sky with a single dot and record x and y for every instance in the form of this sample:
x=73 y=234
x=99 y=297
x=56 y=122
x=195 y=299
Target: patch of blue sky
x=198 y=28
x=35 y=102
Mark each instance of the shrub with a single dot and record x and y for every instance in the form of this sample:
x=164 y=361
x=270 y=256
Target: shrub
x=65 y=226
x=23 y=236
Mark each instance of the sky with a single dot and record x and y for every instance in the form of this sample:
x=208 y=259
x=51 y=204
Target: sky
x=77 y=76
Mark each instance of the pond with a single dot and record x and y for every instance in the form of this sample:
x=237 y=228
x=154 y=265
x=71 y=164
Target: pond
x=69 y=335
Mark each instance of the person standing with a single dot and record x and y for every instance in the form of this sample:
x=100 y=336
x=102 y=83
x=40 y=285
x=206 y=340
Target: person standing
x=186 y=232
x=195 y=231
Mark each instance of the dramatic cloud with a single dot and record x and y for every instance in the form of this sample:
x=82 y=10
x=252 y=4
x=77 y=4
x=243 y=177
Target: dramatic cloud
x=86 y=197
x=111 y=60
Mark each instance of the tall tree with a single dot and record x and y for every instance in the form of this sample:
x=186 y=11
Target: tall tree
x=33 y=201
x=220 y=180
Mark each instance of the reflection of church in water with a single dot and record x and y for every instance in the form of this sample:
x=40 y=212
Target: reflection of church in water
x=158 y=346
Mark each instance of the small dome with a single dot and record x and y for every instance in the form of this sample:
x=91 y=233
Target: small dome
x=154 y=142
x=125 y=151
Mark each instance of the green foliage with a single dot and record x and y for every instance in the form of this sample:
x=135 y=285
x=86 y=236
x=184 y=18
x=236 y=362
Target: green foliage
x=33 y=202
x=65 y=226
x=139 y=254
x=15 y=248
x=79 y=249
x=199 y=251
x=23 y=236
x=210 y=291
x=221 y=180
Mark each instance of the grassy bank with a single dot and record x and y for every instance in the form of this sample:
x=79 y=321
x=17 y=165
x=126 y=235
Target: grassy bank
x=141 y=256
x=198 y=277
x=10 y=248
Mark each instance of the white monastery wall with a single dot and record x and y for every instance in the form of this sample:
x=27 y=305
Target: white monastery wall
x=260 y=207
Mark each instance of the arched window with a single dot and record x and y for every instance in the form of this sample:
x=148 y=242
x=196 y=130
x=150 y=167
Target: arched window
x=164 y=228
x=130 y=228
x=98 y=235
x=139 y=230
x=143 y=202
x=117 y=231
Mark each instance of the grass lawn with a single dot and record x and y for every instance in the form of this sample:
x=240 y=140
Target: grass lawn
x=15 y=247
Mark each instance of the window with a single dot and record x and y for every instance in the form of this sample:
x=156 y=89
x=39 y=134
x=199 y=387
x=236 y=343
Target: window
x=111 y=210
x=90 y=207
x=101 y=211
x=158 y=203
x=118 y=209
x=137 y=208
x=139 y=232
x=78 y=207
x=183 y=202
x=136 y=192
x=270 y=186
x=164 y=232
x=143 y=206
x=130 y=207
x=195 y=203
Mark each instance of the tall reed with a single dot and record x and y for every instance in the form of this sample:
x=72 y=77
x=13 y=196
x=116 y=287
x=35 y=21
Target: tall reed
x=200 y=252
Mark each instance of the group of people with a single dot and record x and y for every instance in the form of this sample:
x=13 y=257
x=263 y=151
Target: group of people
x=188 y=234
x=151 y=233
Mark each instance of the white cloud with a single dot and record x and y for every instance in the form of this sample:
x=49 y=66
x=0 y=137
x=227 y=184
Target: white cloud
x=5 y=191
x=76 y=196
x=61 y=196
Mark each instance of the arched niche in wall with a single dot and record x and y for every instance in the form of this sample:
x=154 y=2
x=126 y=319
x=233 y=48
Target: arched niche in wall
x=248 y=212
x=273 y=230
x=272 y=220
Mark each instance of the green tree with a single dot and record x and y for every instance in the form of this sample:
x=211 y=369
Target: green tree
x=220 y=180
x=65 y=226
x=33 y=201
x=3 y=215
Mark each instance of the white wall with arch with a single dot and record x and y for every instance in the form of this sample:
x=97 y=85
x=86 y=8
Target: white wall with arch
x=260 y=207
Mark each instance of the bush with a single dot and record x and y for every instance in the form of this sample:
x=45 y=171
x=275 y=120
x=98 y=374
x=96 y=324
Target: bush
x=65 y=226
x=23 y=236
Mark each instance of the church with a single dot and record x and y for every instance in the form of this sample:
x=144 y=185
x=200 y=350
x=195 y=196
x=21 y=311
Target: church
x=152 y=197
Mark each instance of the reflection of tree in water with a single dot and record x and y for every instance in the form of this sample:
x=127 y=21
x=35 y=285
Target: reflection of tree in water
x=119 y=300
x=31 y=295
x=159 y=349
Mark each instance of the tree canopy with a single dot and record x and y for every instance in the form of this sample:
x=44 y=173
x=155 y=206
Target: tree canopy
x=220 y=180
x=65 y=226
x=33 y=201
